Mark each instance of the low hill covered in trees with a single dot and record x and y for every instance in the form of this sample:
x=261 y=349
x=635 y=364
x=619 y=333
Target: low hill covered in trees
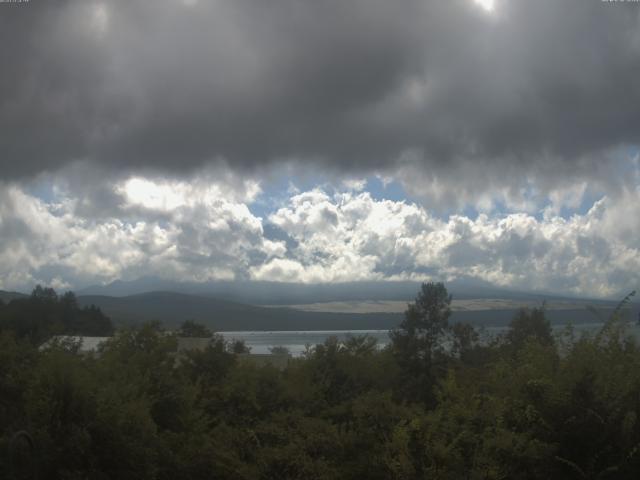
x=171 y=308
x=44 y=314
x=220 y=314
x=527 y=405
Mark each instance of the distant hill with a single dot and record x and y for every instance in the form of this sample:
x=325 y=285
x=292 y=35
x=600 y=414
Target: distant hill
x=227 y=306
x=6 y=297
x=172 y=308
x=278 y=293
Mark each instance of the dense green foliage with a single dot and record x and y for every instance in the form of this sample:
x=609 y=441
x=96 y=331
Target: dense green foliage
x=191 y=328
x=436 y=403
x=44 y=314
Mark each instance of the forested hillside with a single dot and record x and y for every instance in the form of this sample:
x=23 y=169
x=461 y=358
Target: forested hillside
x=44 y=313
x=527 y=405
x=171 y=308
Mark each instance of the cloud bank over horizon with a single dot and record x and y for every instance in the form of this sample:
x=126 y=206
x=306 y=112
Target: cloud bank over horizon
x=200 y=231
x=237 y=139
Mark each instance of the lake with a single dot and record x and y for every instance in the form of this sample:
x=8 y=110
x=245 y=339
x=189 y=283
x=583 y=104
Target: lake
x=297 y=341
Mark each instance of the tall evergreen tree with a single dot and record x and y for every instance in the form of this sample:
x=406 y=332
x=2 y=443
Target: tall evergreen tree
x=417 y=342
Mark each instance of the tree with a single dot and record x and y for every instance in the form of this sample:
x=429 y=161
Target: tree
x=279 y=350
x=465 y=339
x=44 y=294
x=529 y=325
x=426 y=322
x=88 y=321
x=360 y=345
x=190 y=328
x=238 y=347
x=69 y=301
x=418 y=340
x=44 y=314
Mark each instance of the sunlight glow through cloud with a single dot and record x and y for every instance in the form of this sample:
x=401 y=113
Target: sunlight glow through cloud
x=166 y=195
x=99 y=19
x=152 y=195
x=487 y=5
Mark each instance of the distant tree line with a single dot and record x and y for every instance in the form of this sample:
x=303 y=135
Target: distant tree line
x=435 y=403
x=44 y=314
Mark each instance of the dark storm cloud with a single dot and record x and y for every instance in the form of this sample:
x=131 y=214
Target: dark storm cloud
x=352 y=85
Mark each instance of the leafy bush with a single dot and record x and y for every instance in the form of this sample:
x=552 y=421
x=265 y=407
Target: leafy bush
x=523 y=407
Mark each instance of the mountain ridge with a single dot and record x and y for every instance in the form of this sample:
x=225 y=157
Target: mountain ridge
x=171 y=308
x=223 y=314
x=7 y=296
x=284 y=293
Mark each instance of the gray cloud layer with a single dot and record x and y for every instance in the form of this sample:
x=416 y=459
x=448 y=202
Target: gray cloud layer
x=136 y=135
x=533 y=89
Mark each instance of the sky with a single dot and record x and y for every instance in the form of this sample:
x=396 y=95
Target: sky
x=321 y=141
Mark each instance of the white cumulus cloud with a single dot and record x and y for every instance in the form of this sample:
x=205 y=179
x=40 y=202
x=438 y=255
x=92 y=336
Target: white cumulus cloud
x=200 y=231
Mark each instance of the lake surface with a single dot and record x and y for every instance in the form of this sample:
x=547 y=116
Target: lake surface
x=296 y=341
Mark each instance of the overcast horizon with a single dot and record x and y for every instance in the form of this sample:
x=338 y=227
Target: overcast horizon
x=320 y=141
